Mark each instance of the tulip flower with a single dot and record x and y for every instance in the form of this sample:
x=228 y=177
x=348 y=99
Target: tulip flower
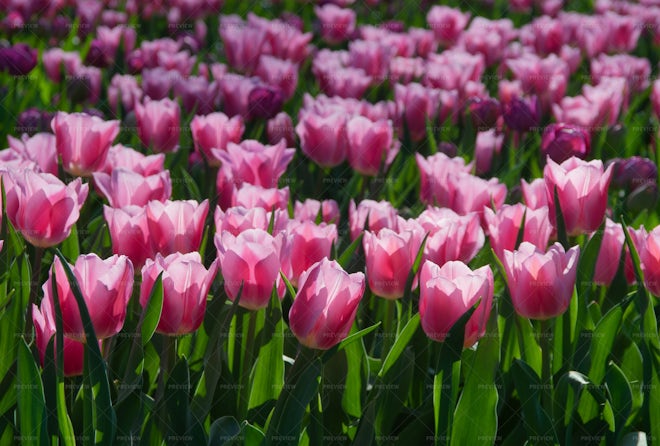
x=609 y=254
x=649 y=255
x=126 y=188
x=243 y=43
x=309 y=210
x=337 y=24
x=323 y=138
x=18 y=60
x=44 y=329
x=451 y=236
x=238 y=219
x=83 y=141
x=326 y=304
x=41 y=207
x=389 y=259
x=582 y=191
x=281 y=127
x=158 y=124
x=120 y=156
x=105 y=284
x=215 y=131
x=186 y=284
x=129 y=233
x=251 y=196
x=369 y=144
x=176 y=226
x=375 y=214
x=562 y=141
x=541 y=282
x=534 y=193
x=305 y=243
x=447 y=23
x=250 y=260
x=504 y=226
x=448 y=292
x=40 y=148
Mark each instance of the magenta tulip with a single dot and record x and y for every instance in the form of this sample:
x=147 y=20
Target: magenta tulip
x=609 y=254
x=105 y=284
x=305 y=243
x=215 y=131
x=126 y=188
x=158 y=124
x=238 y=219
x=323 y=138
x=451 y=236
x=370 y=144
x=39 y=148
x=504 y=226
x=186 y=284
x=310 y=208
x=129 y=233
x=541 y=282
x=326 y=304
x=375 y=215
x=120 y=156
x=448 y=292
x=176 y=226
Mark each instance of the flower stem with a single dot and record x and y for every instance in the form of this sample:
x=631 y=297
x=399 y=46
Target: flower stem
x=246 y=367
x=546 y=364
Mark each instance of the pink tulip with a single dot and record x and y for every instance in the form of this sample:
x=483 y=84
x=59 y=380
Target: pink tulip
x=389 y=259
x=375 y=215
x=106 y=286
x=238 y=219
x=448 y=292
x=158 y=82
x=235 y=91
x=370 y=144
x=129 y=233
x=39 y=148
x=125 y=188
x=243 y=43
x=323 y=138
x=434 y=177
x=56 y=60
x=451 y=236
x=215 y=131
x=278 y=73
x=609 y=254
x=197 y=94
x=124 y=90
x=310 y=208
x=534 y=193
x=250 y=260
x=541 y=282
x=305 y=243
x=345 y=82
x=83 y=141
x=337 y=24
x=582 y=191
x=447 y=23
x=281 y=127
x=545 y=34
x=655 y=98
x=41 y=207
x=487 y=145
x=415 y=105
x=176 y=226
x=251 y=196
x=186 y=284
x=488 y=37
x=504 y=226
x=158 y=124
x=44 y=329
x=326 y=304
x=372 y=57
x=284 y=37
x=635 y=70
x=122 y=157
x=649 y=253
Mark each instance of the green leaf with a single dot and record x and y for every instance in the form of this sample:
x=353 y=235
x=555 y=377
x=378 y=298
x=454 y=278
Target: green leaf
x=346 y=256
x=479 y=393
x=620 y=395
x=177 y=400
x=153 y=310
x=400 y=344
x=95 y=373
x=587 y=263
x=223 y=431
x=32 y=420
x=528 y=385
x=71 y=246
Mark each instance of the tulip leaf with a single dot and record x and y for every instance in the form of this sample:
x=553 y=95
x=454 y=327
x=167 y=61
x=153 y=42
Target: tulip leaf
x=190 y=185
x=32 y=420
x=223 y=431
x=268 y=371
x=355 y=336
x=620 y=395
x=528 y=385
x=400 y=344
x=430 y=136
x=587 y=263
x=8 y=390
x=479 y=393
x=177 y=400
x=346 y=256
x=152 y=311
x=95 y=373
x=289 y=286
x=70 y=246
x=521 y=231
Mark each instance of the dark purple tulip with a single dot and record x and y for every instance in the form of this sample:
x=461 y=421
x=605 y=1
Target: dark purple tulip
x=78 y=88
x=33 y=120
x=97 y=56
x=522 y=115
x=448 y=148
x=293 y=20
x=484 y=112
x=18 y=60
x=265 y=101
x=395 y=26
x=60 y=27
x=634 y=172
x=562 y=141
x=135 y=63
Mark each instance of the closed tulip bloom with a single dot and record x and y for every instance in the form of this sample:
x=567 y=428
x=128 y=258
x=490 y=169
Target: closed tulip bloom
x=448 y=292
x=186 y=284
x=83 y=141
x=238 y=219
x=582 y=191
x=534 y=193
x=561 y=141
x=40 y=148
x=369 y=144
x=44 y=329
x=487 y=145
x=250 y=260
x=129 y=233
x=376 y=215
x=176 y=226
x=254 y=163
x=41 y=207
x=105 y=284
x=415 y=105
x=278 y=73
x=389 y=259
x=120 y=156
x=126 y=188
x=541 y=282
x=337 y=24
x=281 y=127
x=326 y=304
x=609 y=254
x=18 y=60
x=305 y=243
x=655 y=98
x=451 y=236
x=649 y=255
x=215 y=131
x=310 y=208
x=251 y=196
x=243 y=43
x=158 y=124
x=125 y=91
x=323 y=138
x=504 y=226
x=447 y=23
x=434 y=173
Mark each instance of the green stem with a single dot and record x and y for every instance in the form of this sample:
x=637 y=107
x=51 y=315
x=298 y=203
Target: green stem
x=34 y=288
x=546 y=364
x=246 y=367
x=389 y=327
x=167 y=357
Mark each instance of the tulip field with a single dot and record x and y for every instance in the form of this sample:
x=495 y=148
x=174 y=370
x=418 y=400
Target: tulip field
x=329 y=222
